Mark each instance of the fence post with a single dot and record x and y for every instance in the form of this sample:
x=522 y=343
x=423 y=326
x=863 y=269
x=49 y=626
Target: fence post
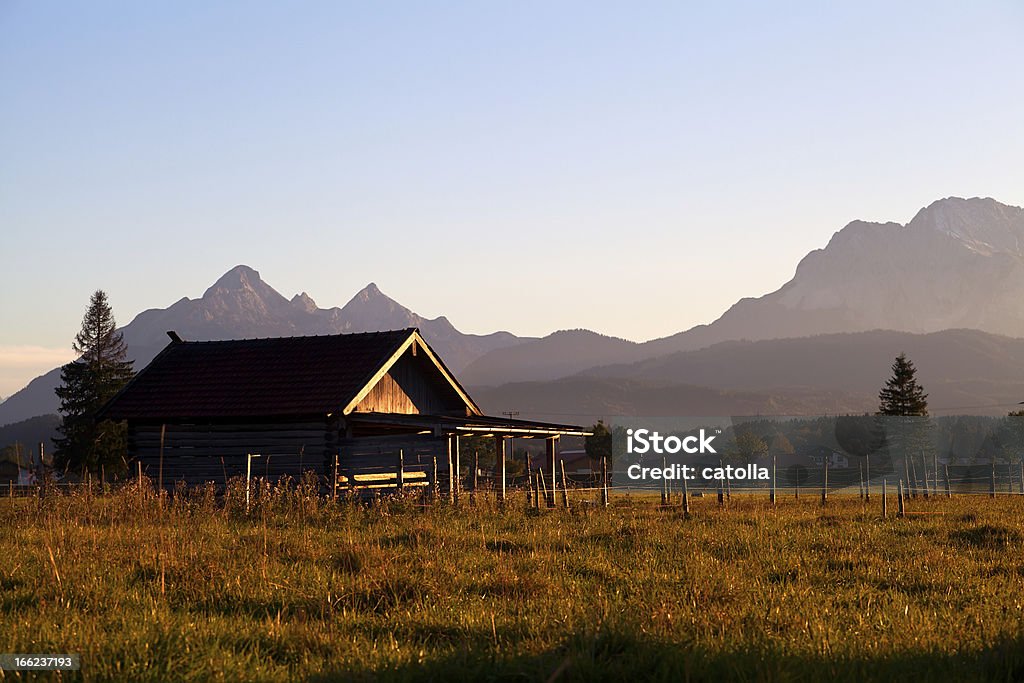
x=544 y=487
x=824 y=483
x=949 y=493
x=604 y=481
x=400 y=472
x=927 y=484
x=537 y=478
x=686 y=498
x=248 y=477
x=721 y=494
x=565 y=486
x=433 y=477
x=885 y=505
x=916 y=481
x=900 y=502
x=41 y=471
x=772 y=496
x=664 y=483
x=334 y=487
x=451 y=466
x=867 y=478
x=476 y=475
x=906 y=471
x=992 y=482
x=860 y=473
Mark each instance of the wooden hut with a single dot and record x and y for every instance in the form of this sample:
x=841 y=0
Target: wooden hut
x=348 y=407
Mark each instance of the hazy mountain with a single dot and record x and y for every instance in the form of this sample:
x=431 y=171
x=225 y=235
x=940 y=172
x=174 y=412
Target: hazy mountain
x=562 y=353
x=961 y=369
x=593 y=398
x=958 y=264
x=240 y=304
x=964 y=371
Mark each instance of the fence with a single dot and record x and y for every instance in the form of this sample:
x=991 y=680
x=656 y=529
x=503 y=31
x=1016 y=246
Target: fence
x=432 y=485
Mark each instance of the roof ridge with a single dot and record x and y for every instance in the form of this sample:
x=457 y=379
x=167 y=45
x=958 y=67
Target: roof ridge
x=400 y=330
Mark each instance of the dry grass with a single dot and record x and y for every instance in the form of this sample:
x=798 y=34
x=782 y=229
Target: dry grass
x=304 y=588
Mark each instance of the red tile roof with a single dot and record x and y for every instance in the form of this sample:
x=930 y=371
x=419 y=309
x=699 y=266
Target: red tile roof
x=284 y=376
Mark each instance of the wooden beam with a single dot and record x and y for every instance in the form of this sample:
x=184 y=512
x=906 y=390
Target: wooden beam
x=499 y=465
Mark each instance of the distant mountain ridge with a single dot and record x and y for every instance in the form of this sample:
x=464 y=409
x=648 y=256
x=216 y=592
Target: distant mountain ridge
x=964 y=371
x=958 y=264
x=240 y=304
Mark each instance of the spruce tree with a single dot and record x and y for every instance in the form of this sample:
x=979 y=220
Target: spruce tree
x=902 y=396
x=904 y=407
x=100 y=371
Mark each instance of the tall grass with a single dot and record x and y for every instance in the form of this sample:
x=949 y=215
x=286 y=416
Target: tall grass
x=305 y=587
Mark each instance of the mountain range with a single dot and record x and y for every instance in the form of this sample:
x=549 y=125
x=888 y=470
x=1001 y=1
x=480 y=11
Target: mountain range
x=958 y=264
x=240 y=305
x=945 y=288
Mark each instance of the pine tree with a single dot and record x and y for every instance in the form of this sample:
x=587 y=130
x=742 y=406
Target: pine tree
x=902 y=395
x=904 y=407
x=599 y=444
x=86 y=384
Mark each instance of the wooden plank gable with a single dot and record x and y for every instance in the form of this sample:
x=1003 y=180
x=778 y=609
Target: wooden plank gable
x=413 y=381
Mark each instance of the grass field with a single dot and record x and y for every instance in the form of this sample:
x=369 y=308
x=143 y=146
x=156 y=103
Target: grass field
x=307 y=589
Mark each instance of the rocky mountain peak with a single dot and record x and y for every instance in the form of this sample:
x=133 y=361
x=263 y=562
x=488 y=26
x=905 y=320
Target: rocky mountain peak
x=369 y=293
x=304 y=302
x=983 y=225
x=241 y=277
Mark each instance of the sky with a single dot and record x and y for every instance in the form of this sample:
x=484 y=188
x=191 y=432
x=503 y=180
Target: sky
x=628 y=168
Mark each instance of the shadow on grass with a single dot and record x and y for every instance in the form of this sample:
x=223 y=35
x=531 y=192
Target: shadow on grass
x=622 y=656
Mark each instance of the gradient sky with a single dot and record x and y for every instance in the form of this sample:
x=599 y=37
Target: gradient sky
x=527 y=166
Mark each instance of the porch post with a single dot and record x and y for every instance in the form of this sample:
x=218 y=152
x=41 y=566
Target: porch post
x=458 y=469
x=499 y=465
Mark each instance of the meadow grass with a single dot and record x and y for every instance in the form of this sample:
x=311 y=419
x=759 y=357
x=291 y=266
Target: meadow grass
x=303 y=588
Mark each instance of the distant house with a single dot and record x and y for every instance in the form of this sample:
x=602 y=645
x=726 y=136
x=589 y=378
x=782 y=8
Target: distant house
x=820 y=454
x=577 y=463
x=207 y=411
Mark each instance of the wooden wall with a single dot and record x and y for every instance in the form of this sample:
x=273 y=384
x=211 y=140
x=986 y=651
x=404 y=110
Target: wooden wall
x=198 y=453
